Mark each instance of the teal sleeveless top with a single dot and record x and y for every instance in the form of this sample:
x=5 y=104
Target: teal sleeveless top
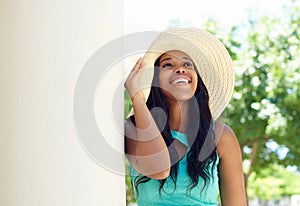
x=149 y=195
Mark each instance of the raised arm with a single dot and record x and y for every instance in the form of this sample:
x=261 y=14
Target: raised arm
x=144 y=145
x=232 y=187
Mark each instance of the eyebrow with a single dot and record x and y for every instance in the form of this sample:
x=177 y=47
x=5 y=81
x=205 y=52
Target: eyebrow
x=169 y=58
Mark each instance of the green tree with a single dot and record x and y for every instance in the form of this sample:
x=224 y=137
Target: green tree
x=265 y=107
x=273 y=183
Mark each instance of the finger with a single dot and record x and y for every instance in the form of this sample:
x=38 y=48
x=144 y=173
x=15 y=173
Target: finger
x=143 y=65
x=137 y=64
x=135 y=69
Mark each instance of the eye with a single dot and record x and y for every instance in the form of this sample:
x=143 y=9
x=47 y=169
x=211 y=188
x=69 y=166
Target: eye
x=166 y=65
x=187 y=64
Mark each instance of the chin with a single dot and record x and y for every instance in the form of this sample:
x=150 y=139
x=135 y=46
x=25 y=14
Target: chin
x=179 y=96
x=183 y=97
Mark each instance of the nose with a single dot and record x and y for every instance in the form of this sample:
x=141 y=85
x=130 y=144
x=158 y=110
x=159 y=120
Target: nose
x=180 y=70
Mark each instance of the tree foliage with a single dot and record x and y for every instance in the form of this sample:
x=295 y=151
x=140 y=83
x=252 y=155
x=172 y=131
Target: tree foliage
x=274 y=182
x=264 y=111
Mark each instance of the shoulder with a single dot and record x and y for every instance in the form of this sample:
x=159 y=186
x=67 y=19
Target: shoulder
x=227 y=142
x=231 y=178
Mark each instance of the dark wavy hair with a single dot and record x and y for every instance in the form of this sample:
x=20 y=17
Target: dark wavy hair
x=200 y=133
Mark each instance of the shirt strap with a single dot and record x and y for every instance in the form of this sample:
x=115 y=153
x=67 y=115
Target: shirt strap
x=181 y=137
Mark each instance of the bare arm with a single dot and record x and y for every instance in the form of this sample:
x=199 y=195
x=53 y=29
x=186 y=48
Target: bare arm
x=144 y=145
x=232 y=187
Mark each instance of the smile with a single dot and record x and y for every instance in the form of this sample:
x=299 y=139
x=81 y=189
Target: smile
x=180 y=80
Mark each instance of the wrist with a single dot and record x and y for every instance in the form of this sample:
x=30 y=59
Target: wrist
x=138 y=97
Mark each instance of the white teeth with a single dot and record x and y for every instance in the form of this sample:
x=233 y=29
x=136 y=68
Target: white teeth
x=180 y=80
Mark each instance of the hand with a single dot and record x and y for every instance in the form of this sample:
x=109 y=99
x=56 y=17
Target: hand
x=131 y=84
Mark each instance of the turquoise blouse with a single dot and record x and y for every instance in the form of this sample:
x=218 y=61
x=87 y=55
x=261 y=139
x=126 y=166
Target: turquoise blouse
x=149 y=192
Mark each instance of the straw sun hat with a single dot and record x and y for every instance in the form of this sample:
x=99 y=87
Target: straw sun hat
x=208 y=54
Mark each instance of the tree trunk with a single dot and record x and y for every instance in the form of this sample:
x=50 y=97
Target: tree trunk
x=252 y=164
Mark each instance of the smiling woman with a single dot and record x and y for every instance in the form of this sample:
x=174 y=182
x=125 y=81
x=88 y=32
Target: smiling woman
x=181 y=155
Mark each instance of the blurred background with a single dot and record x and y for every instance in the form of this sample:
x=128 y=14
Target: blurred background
x=262 y=38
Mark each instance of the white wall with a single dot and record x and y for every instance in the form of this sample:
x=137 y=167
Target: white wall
x=44 y=45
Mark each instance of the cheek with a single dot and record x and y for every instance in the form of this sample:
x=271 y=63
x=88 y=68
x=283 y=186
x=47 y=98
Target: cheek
x=195 y=82
x=162 y=78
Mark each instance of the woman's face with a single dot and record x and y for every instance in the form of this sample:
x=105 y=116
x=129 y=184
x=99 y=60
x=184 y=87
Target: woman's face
x=177 y=76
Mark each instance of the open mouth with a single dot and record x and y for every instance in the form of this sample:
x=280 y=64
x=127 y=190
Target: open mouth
x=181 y=80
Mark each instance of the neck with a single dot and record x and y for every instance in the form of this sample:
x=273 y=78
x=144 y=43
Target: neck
x=178 y=115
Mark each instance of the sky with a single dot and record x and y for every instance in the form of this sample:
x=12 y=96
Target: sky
x=155 y=15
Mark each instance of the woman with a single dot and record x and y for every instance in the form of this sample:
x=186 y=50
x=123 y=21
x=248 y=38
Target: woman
x=178 y=153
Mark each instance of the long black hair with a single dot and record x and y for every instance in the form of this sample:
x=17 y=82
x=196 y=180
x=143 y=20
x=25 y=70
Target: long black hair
x=200 y=133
